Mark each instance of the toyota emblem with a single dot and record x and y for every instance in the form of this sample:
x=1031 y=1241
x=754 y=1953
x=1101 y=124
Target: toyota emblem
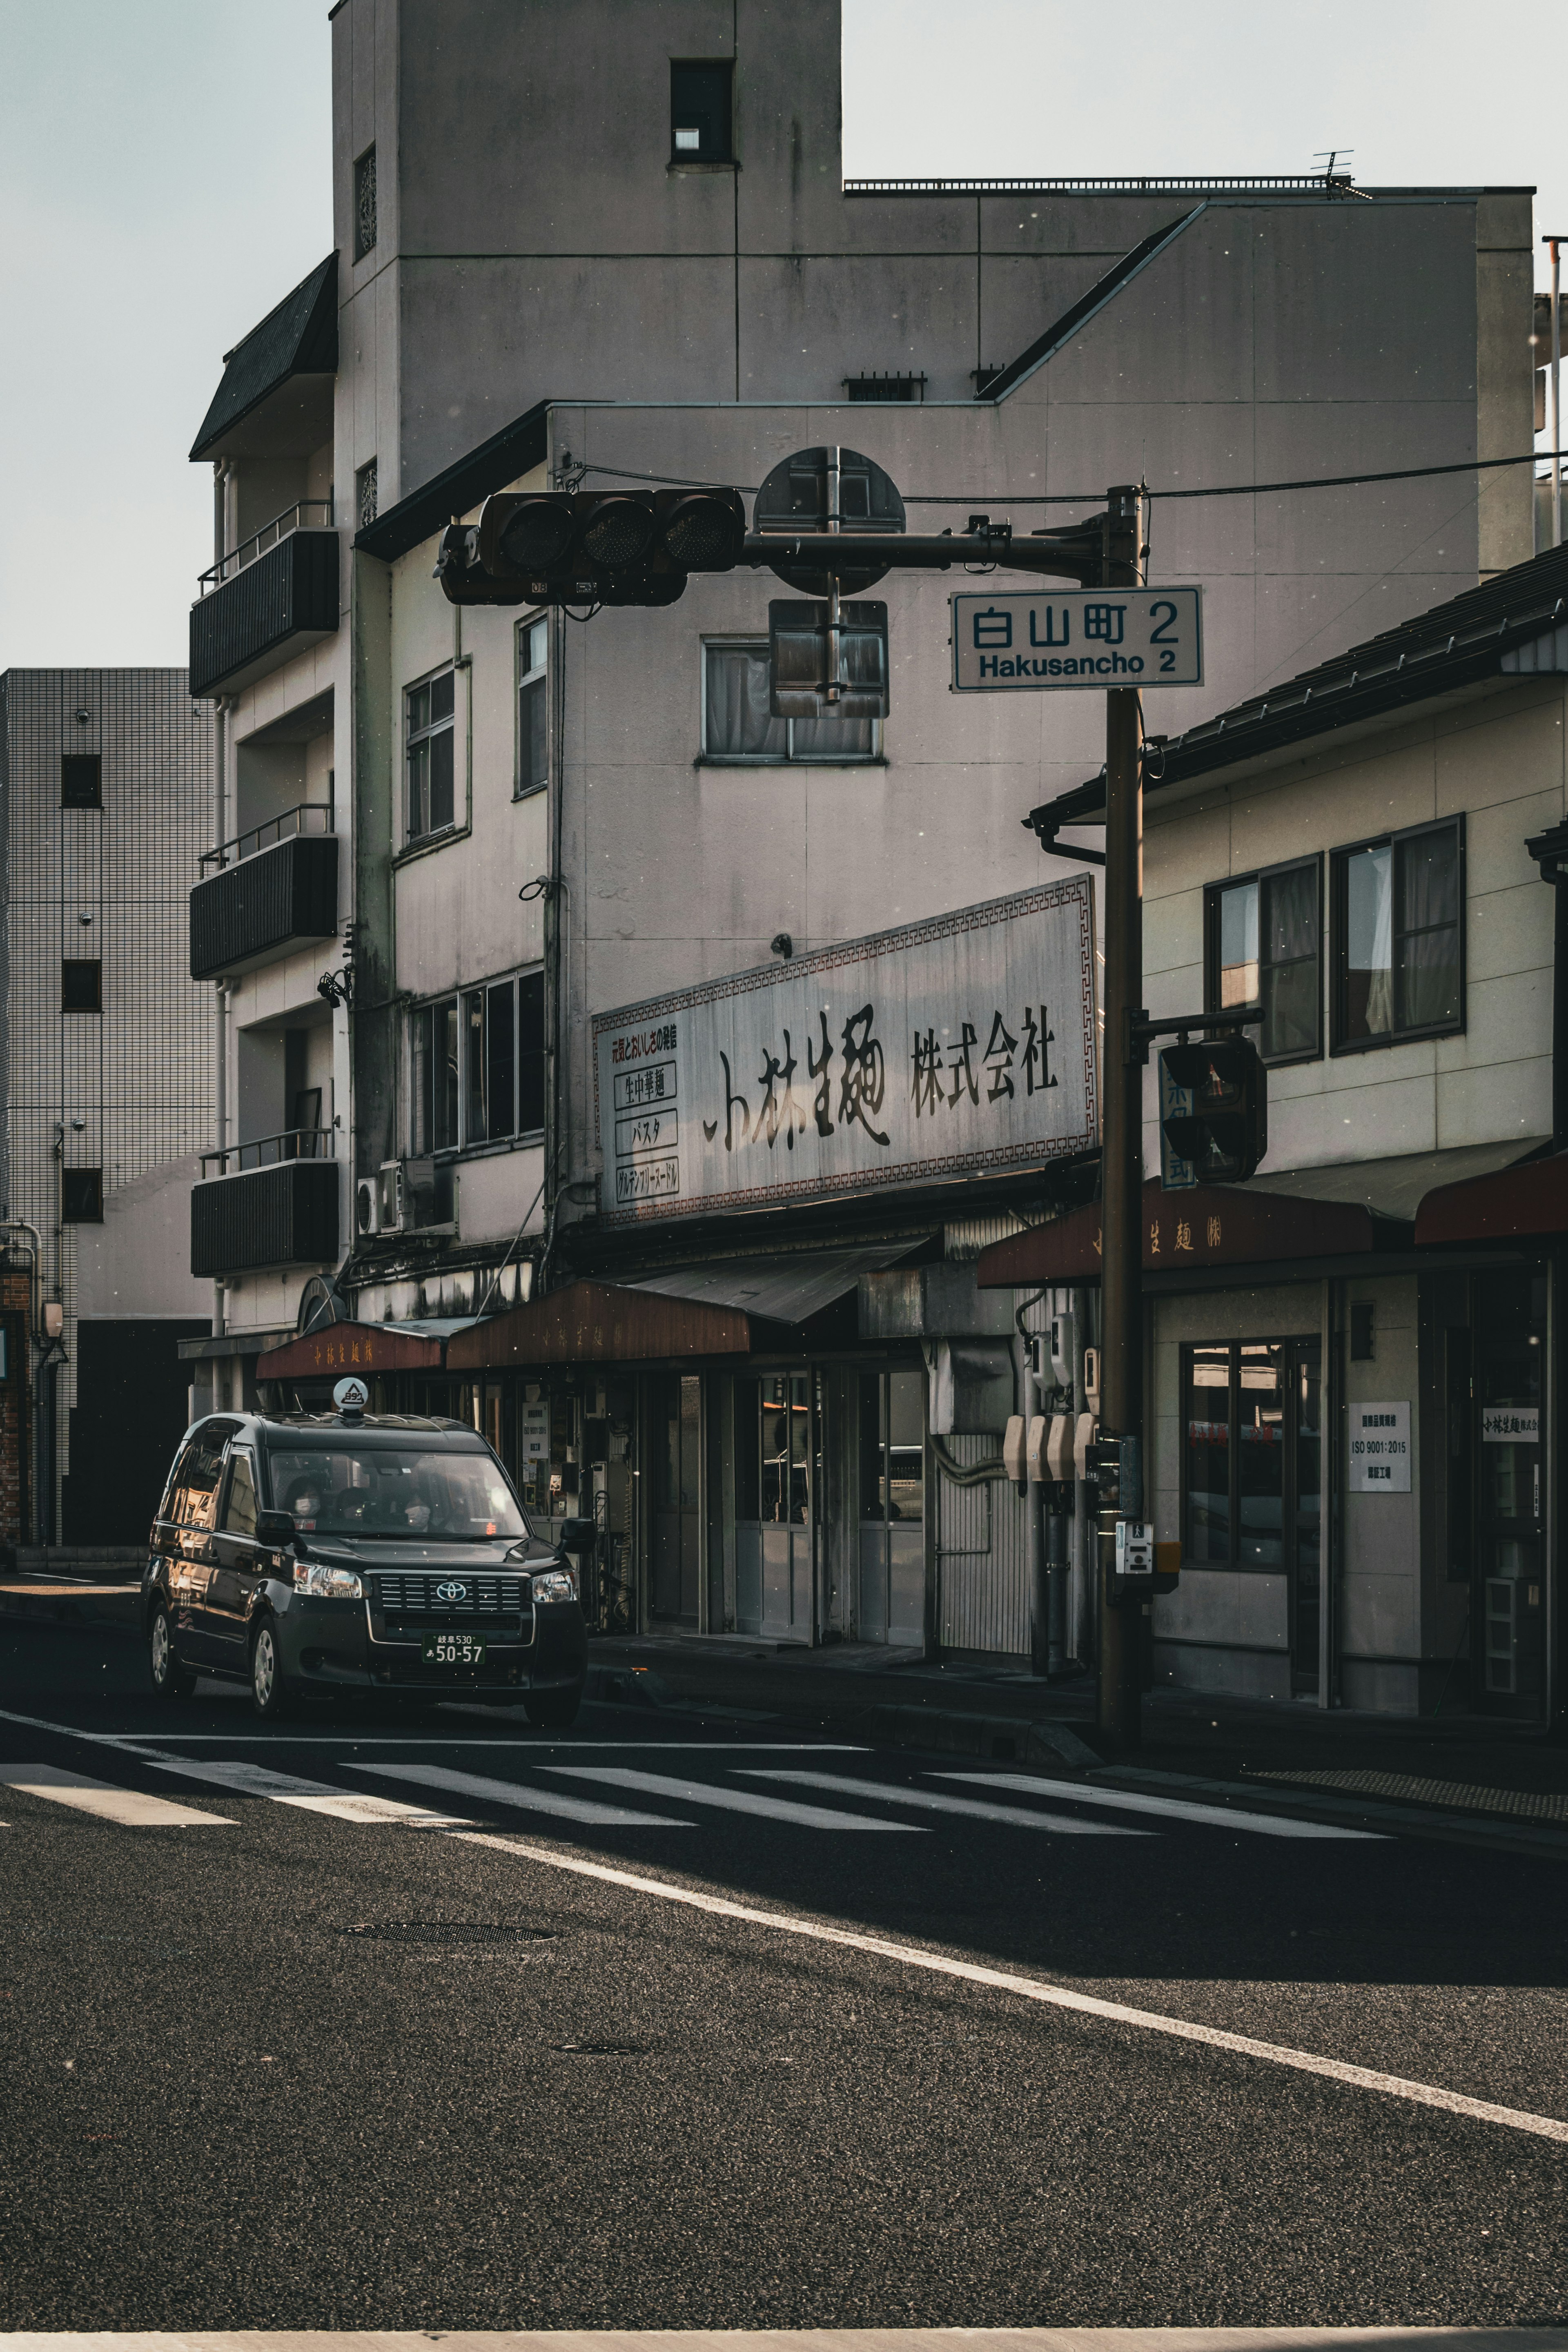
x=451 y=1592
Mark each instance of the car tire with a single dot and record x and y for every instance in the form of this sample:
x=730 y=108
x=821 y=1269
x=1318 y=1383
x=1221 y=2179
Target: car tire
x=554 y=1710
x=271 y=1695
x=171 y=1680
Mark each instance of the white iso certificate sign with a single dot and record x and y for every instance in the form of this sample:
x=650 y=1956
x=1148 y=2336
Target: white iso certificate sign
x=1380 y=1449
x=1045 y=637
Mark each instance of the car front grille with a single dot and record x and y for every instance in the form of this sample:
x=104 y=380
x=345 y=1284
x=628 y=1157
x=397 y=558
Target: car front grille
x=415 y=1602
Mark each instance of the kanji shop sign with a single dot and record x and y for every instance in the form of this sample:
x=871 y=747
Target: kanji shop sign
x=963 y=1043
x=1077 y=636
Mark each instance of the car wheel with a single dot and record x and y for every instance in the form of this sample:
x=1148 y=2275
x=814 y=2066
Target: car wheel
x=170 y=1679
x=269 y=1692
x=552 y=1710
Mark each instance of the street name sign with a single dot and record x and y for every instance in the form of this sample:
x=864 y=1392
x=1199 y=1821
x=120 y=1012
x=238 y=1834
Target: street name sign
x=1077 y=637
x=962 y=1044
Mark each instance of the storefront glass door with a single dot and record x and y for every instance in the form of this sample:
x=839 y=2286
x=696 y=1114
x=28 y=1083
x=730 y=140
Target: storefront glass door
x=892 y=1508
x=1508 y=1615
x=676 y=1542
x=778 y=1481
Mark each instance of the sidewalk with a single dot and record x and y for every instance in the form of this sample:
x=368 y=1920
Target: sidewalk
x=1468 y=1765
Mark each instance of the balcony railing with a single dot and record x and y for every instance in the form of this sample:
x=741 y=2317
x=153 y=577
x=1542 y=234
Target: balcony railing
x=302 y=818
x=305 y=514
x=263 y=901
x=284 y=599
x=279 y=1213
x=271 y=1151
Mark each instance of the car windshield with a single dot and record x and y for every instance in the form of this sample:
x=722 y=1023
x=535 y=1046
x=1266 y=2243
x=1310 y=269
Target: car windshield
x=383 y=1490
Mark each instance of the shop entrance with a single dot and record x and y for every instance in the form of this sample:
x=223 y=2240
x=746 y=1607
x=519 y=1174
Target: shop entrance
x=1509 y=1337
x=778 y=1481
x=1253 y=1474
x=677 y=1406
x=892 y=1508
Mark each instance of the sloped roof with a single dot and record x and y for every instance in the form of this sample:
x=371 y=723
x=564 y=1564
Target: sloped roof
x=1489 y=632
x=516 y=450
x=298 y=338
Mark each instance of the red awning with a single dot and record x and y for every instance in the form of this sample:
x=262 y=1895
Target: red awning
x=1510 y=1205
x=1213 y=1225
x=598 y=1323
x=340 y=1348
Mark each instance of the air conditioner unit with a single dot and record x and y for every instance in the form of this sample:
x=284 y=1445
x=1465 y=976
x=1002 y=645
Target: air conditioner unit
x=392 y=1197
x=367 y=1207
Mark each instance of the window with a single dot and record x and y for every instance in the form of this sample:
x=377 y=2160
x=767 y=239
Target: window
x=431 y=741
x=366 y=496
x=885 y=387
x=532 y=708
x=192 y=1501
x=1264 y=940
x=81 y=1196
x=892 y=1447
x=737 y=724
x=81 y=984
x=239 y=1505
x=1399 y=938
x=700 y=112
x=364 y=204
x=82 y=780
x=477 y=1065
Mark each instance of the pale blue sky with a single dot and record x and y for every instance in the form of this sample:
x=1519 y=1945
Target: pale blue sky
x=164 y=180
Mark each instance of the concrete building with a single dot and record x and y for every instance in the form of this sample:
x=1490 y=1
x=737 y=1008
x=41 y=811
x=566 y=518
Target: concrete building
x=529 y=823
x=105 y=781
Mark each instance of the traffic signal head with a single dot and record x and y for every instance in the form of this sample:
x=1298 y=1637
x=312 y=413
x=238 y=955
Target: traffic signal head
x=1218 y=1121
x=591 y=547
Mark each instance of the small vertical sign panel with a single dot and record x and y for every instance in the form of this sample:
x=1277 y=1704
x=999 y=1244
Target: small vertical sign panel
x=1380 y=1448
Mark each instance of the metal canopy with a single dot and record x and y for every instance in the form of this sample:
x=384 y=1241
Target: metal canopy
x=778 y=1289
x=1185 y=1233
x=1397 y=1187
x=339 y=1347
x=599 y=1323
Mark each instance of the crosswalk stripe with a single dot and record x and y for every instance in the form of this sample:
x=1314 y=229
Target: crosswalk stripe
x=1180 y=1809
x=729 y=1801
x=247 y=1779
x=528 y=1799
x=130 y=1807
x=927 y=1800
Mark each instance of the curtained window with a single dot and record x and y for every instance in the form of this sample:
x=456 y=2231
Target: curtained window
x=1399 y=939
x=1265 y=949
x=737 y=723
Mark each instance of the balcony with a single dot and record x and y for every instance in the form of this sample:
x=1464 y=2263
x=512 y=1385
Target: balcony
x=269 y=599
x=272 y=1202
x=275 y=888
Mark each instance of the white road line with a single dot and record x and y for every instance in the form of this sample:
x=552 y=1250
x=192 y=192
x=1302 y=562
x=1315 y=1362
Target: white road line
x=246 y=1779
x=130 y=1807
x=729 y=1800
x=926 y=1801
x=784 y=1923
x=529 y=1798
x=519 y=1742
x=1180 y=1809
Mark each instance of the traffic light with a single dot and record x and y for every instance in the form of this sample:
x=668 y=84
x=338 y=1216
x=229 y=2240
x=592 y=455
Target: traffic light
x=590 y=547
x=1214 y=1111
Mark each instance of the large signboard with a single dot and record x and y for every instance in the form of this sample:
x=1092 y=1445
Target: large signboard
x=963 y=1043
x=1038 y=637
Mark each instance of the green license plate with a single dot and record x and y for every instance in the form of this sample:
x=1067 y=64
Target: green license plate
x=451 y=1649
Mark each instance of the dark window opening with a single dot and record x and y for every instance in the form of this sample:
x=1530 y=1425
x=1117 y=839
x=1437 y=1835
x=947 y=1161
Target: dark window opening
x=700 y=112
x=432 y=743
x=81 y=1196
x=364 y=204
x=81 y=984
x=1399 y=937
x=82 y=780
x=1252 y=1471
x=477 y=1065
x=1264 y=940
x=885 y=387
x=533 y=710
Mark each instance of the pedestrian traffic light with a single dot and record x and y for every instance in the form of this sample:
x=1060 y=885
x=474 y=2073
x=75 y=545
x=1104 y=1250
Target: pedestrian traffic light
x=1216 y=1106
x=590 y=547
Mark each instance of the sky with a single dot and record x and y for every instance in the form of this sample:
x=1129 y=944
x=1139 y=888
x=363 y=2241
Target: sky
x=164 y=179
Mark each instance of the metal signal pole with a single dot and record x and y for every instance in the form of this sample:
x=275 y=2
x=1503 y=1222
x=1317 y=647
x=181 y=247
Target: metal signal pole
x=1121 y=1123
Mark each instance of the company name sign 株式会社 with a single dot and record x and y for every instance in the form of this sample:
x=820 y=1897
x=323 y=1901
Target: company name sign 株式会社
x=965 y=1043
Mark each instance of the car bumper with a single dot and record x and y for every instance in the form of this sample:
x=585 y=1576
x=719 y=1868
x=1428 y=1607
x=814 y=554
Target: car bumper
x=331 y=1645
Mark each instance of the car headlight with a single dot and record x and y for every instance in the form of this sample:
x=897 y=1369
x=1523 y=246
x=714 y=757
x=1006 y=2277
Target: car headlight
x=327 y=1584
x=555 y=1584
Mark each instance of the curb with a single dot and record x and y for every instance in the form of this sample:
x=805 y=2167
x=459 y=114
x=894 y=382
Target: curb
x=76 y=1604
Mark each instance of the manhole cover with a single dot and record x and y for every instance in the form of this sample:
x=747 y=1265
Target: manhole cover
x=446 y=1932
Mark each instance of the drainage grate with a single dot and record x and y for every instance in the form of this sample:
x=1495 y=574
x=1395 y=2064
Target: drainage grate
x=447 y=1931
x=1524 y=1804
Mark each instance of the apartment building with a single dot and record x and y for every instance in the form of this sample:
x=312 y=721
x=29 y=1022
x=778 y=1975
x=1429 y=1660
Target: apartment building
x=454 y=839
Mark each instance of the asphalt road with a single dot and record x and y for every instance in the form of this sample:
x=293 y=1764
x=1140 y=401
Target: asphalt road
x=367 y=2021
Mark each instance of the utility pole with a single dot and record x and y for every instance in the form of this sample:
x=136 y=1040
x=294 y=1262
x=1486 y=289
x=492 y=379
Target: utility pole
x=1121 y=1123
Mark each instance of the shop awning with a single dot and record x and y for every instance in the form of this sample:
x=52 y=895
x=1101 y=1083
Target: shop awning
x=340 y=1348
x=779 y=1289
x=1211 y=1225
x=600 y=1322
x=1512 y=1204
x=1395 y=1186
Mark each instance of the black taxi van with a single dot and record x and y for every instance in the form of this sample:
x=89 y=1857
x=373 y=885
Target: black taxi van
x=330 y=1552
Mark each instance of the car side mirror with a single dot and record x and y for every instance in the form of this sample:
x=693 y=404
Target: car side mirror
x=578 y=1535
x=275 y=1528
